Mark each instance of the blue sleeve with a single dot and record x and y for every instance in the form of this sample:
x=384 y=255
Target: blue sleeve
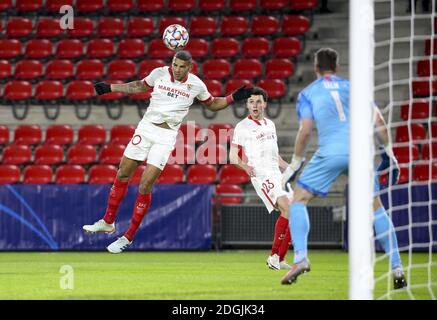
x=304 y=108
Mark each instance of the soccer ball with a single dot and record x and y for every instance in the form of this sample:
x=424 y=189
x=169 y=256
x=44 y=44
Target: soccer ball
x=175 y=37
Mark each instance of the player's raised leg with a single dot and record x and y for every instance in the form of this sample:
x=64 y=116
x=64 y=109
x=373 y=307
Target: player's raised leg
x=118 y=191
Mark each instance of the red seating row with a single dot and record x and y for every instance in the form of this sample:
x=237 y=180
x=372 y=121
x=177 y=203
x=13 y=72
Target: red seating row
x=78 y=90
x=105 y=174
x=120 y=6
x=421 y=173
x=429 y=151
x=259 y=47
x=96 y=134
x=420 y=109
x=415 y=132
x=107 y=27
x=93 y=69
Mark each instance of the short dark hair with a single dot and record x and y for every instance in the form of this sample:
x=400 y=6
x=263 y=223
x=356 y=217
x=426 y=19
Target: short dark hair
x=257 y=91
x=326 y=59
x=183 y=55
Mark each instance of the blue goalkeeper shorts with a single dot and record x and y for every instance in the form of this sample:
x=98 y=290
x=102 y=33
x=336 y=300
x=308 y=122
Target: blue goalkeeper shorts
x=321 y=172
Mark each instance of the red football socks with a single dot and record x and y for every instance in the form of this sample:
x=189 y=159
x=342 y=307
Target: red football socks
x=142 y=204
x=285 y=245
x=281 y=227
x=118 y=191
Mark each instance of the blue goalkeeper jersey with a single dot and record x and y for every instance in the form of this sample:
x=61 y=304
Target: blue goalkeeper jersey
x=326 y=102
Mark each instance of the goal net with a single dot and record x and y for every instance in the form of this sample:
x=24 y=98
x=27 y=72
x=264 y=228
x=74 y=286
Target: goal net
x=404 y=83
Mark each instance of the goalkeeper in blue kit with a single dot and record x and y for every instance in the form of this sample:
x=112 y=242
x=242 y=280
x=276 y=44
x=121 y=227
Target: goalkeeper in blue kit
x=325 y=105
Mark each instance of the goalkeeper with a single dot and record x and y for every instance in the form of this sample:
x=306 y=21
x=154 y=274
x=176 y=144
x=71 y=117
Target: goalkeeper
x=325 y=104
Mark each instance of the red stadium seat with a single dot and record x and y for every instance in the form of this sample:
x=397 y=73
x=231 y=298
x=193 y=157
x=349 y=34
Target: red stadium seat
x=101 y=48
x=19 y=27
x=10 y=48
x=110 y=27
x=274 y=4
x=418 y=132
x=255 y=47
x=230 y=174
x=428 y=46
x=198 y=48
x=294 y=25
x=214 y=87
x=222 y=131
x=303 y=4
x=419 y=110
x=404 y=176
x=275 y=88
x=147 y=66
x=168 y=20
x=171 y=174
x=80 y=90
x=112 y=96
x=37 y=174
x=17 y=90
x=83 y=27
x=233 y=26
x=247 y=69
x=28 y=70
x=131 y=48
x=264 y=25
x=119 y=6
x=111 y=154
x=70 y=174
x=225 y=48
x=223 y=189
x=212 y=5
x=89 y=6
x=49 y=90
x=182 y=154
x=425 y=172
x=189 y=133
x=27 y=134
x=433 y=130
x=211 y=153
x=140 y=97
x=403 y=154
x=421 y=88
x=38 y=49
x=121 y=69
x=53 y=6
x=181 y=5
x=424 y=68
x=139 y=27
x=157 y=50
x=428 y=153
x=6 y=5
x=59 y=134
x=243 y=5
x=59 y=69
x=91 y=134
x=92 y=69
x=150 y=6
x=279 y=69
x=9 y=174
x=81 y=154
x=5 y=69
x=234 y=84
x=137 y=175
x=201 y=174
x=216 y=69
x=28 y=5
x=4 y=135
x=69 y=49
x=17 y=154
x=102 y=174
x=121 y=134
x=202 y=26
x=49 y=28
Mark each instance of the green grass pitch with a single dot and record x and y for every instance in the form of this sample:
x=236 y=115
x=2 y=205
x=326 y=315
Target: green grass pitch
x=228 y=275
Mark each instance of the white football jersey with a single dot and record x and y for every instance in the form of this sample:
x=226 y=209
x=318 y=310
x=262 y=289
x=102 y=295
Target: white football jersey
x=260 y=145
x=171 y=99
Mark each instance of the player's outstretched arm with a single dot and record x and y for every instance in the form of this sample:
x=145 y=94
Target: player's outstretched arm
x=130 y=87
x=237 y=161
x=220 y=103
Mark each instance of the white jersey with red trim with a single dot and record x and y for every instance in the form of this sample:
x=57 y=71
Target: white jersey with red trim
x=259 y=142
x=171 y=99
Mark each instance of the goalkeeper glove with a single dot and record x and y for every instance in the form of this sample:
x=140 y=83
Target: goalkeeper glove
x=102 y=88
x=242 y=93
x=291 y=172
x=388 y=159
